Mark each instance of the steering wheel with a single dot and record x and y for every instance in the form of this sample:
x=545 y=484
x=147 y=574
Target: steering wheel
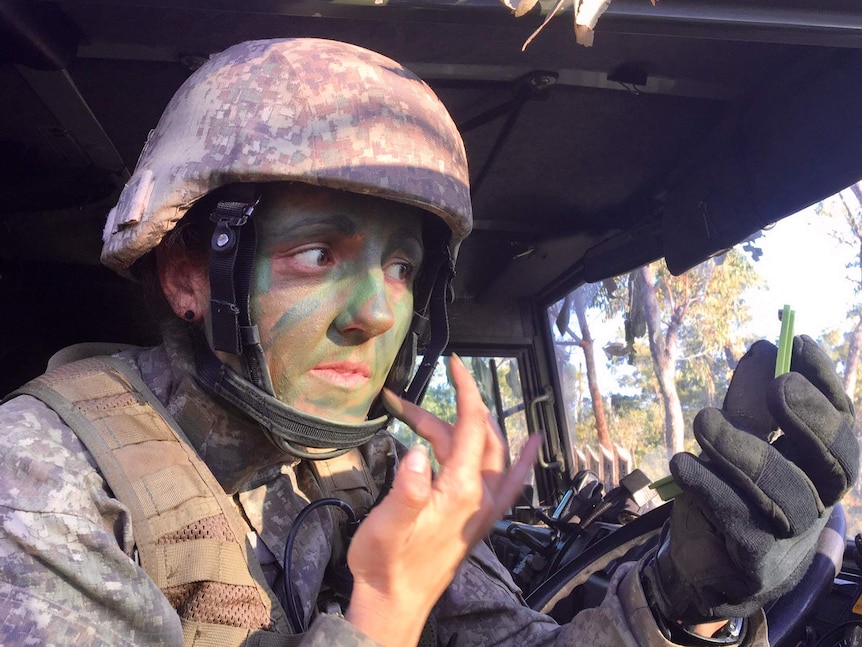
x=785 y=616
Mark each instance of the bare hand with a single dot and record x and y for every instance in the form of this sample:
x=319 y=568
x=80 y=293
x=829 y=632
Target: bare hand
x=407 y=551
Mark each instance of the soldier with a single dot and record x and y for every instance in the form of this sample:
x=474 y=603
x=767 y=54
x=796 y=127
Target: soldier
x=295 y=216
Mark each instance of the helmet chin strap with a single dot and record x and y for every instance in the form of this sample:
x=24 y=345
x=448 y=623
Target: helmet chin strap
x=290 y=430
x=435 y=305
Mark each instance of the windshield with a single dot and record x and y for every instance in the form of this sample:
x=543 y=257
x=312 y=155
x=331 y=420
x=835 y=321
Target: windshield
x=639 y=355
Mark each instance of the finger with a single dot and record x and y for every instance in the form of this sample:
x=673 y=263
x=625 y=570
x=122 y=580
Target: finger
x=424 y=423
x=811 y=361
x=468 y=399
x=494 y=459
x=470 y=432
x=770 y=483
x=820 y=438
x=511 y=486
x=411 y=488
x=745 y=401
x=506 y=491
x=396 y=515
x=720 y=502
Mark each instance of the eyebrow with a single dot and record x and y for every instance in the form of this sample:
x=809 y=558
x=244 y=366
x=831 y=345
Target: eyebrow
x=312 y=225
x=402 y=238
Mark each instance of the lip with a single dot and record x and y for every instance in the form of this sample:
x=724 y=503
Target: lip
x=344 y=374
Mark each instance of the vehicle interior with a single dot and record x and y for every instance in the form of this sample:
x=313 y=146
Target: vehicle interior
x=685 y=128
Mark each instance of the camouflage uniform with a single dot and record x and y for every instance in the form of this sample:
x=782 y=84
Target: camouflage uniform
x=68 y=577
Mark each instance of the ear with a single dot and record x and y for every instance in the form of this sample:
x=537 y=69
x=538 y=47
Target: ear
x=185 y=282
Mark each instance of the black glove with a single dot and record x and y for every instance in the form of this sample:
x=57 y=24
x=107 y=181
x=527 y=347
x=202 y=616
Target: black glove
x=745 y=528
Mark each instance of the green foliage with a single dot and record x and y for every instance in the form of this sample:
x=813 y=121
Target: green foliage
x=715 y=312
x=709 y=308
x=440 y=400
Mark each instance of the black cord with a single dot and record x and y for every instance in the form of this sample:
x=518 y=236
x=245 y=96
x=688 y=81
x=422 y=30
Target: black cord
x=841 y=627
x=297 y=619
x=610 y=501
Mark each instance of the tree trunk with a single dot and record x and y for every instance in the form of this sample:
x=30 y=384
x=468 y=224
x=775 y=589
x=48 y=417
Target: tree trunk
x=664 y=349
x=602 y=433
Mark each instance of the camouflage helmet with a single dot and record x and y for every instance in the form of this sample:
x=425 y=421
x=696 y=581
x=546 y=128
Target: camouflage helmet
x=315 y=111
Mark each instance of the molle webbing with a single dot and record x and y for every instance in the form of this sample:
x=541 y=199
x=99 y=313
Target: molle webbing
x=189 y=537
x=347 y=477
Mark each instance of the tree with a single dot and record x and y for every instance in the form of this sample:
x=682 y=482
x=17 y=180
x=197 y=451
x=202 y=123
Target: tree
x=690 y=322
x=694 y=315
x=664 y=349
x=577 y=303
x=851 y=235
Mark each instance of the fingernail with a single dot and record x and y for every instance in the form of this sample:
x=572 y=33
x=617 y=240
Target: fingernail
x=392 y=403
x=416 y=459
x=457 y=358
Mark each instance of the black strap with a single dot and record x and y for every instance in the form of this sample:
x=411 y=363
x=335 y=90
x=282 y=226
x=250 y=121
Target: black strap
x=230 y=269
x=439 y=327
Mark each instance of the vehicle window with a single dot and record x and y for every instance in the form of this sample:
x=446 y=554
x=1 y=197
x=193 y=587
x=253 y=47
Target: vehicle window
x=639 y=355
x=499 y=382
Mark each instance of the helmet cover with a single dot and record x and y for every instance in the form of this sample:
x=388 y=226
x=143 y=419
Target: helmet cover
x=321 y=112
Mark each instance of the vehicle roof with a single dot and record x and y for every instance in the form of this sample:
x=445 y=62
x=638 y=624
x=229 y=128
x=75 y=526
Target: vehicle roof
x=685 y=128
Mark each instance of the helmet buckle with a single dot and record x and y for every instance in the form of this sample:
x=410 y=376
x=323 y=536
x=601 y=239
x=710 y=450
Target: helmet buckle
x=224 y=238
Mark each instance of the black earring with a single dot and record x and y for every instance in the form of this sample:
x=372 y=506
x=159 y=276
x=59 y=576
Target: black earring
x=189 y=315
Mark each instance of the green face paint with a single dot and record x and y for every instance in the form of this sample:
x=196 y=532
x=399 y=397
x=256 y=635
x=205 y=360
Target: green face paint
x=333 y=294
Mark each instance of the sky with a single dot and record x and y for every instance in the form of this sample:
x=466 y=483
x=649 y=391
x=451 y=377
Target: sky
x=806 y=267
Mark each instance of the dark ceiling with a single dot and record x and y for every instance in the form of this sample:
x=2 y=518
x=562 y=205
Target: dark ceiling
x=685 y=128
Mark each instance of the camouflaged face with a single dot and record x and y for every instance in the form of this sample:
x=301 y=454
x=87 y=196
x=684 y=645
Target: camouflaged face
x=308 y=110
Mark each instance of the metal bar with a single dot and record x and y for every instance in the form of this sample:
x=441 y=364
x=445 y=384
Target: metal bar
x=59 y=93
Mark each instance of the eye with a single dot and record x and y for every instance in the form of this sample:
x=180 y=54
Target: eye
x=400 y=271
x=313 y=257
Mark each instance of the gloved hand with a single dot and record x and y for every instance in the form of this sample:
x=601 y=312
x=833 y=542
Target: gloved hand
x=745 y=528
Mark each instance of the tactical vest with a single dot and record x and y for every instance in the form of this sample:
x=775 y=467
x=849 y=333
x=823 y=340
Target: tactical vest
x=190 y=539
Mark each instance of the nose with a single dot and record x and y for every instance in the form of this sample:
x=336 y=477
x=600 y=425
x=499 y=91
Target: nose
x=367 y=312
